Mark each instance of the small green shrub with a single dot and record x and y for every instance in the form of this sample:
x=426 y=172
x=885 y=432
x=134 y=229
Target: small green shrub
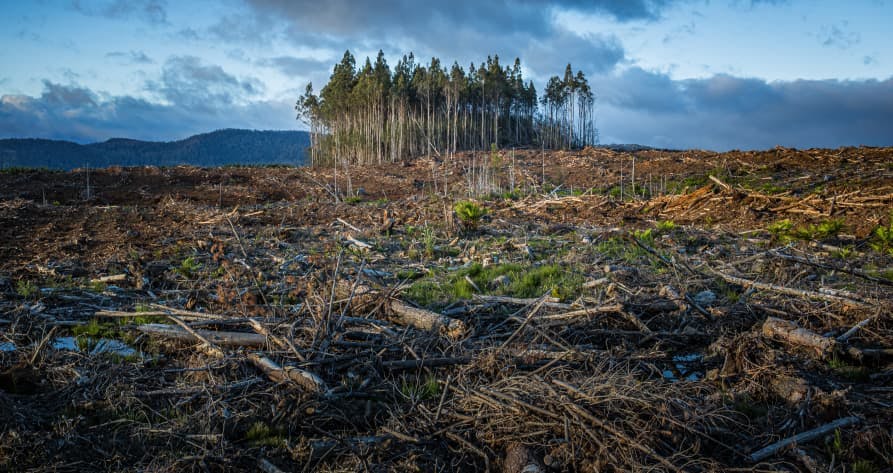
x=883 y=238
x=780 y=230
x=27 y=289
x=469 y=214
x=665 y=226
x=188 y=267
x=352 y=200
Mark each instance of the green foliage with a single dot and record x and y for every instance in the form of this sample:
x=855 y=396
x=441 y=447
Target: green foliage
x=27 y=289
x=825 y=229
x=188 y=267
x=97 y=286
x=864 y=466
x=620 y=249
x=836 y=447
x=645 y=236
x=352 y=200
x=665 y=226
x=511 y=195
x=469 y=213
x=524 y=281
x=262 y=435
x=883 y=238
x=429 y=239
x=843 y=252
x=427 y=390
x=845 y=370
x=784 y=231
x=780 y=230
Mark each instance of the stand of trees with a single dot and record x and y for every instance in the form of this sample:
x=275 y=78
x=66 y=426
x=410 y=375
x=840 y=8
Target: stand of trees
x=372 y=114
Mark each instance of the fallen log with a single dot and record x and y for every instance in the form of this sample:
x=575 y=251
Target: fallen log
x=218 y=338
x=549 y=301
x=791 y=333
x=789 y=291
x=279 y=374
x=801 y=438
x=402 y=313
x=423 y=319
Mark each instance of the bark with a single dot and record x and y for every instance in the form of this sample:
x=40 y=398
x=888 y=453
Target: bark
x=217 y=338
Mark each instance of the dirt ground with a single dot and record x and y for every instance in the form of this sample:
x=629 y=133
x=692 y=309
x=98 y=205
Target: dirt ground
x=610 y=311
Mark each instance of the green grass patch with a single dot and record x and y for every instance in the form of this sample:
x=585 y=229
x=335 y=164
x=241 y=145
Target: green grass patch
x=428 y=389
x=525 y=281
x=848 y=371
x=262 y=435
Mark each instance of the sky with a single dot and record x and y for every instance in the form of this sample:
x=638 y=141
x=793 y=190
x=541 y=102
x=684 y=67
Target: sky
x=710 y=74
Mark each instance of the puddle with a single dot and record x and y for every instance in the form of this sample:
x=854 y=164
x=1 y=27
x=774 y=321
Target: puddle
x=101 y=346
x=65 y=343
x=683 y=369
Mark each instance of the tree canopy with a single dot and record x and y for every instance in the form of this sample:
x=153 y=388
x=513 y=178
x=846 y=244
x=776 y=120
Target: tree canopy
x=372 y=114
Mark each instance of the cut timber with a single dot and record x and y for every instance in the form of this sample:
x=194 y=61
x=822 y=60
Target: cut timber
x=305 y=379
x=801 y=438
x=405 y=314
x=789 y=291
x=790 y=332
x=218 y=338
x=111 y=278
x=363 y=296
x=549 y=301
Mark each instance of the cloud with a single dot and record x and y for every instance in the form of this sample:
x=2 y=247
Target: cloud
x=72 y=112
x=130 y=57
x=255 y=29
x=187 y=82
x=591 y=53
x=151 y=11
x=294 y=66
x=838 y=36
x=724 y=112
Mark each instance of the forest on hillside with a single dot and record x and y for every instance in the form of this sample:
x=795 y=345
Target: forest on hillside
x=373 y=114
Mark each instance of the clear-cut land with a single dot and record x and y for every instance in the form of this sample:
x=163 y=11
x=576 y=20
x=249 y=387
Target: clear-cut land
x=589 y=310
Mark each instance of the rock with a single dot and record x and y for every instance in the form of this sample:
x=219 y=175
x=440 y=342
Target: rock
x=705 y=298
x=500 y=281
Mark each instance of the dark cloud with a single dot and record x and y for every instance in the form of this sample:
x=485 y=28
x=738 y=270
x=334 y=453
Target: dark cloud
x=725 y=112
x=151 y=11
x=187 y=82
x=591 y=53
x=130 y=57
x=458 y=29
x=75 y=113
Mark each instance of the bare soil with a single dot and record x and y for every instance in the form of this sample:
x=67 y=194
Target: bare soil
x=601 y=330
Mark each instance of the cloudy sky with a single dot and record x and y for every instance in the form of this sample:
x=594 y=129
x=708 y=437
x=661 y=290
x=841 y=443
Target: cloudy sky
x=715 y=74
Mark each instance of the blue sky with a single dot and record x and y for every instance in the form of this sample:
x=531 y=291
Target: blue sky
x=716 y=74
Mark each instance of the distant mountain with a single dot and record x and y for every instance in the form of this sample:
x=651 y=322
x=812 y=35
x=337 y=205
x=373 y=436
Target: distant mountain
x=209 y=149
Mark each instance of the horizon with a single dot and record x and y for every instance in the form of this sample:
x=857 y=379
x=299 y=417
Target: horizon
x=667 y=74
